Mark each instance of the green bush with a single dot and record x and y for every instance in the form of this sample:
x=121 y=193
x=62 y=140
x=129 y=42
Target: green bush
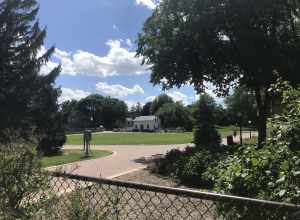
x=21 y=180
x=188 y=166
x=270 y=173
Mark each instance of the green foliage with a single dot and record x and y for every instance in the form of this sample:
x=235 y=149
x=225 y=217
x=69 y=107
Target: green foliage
x=146 y=111
x=270 y=173
x=28 y=98
x=189 y=166
x=21 y=179
x=79 y=207
x=173 y=115
x=93 y=111
x=286 y=126
x=81 y=204
x=159 y=101
x=245 y=41
x=222 y=116
x=206 y=135
x=241 y=106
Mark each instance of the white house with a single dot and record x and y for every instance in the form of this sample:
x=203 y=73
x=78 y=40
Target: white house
x=149 y=123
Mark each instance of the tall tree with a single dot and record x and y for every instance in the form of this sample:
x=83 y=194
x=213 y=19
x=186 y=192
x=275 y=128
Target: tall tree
x=91 y=109
x=114 y=112
x=226 y=42
x=28 y=99
x=159 y=101
x=241 y=106
x=173 y=115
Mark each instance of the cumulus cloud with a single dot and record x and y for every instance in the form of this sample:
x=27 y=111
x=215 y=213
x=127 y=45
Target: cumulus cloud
x=150 y=98
x=117 y=90
x=131 y=103
x=70 y=94
x=179 y=97
x=118 y=60
x=151 y=4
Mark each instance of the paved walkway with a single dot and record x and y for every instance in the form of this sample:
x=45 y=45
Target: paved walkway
x=125 y=159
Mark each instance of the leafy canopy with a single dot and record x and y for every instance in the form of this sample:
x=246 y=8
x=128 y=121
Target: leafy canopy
x=191 y=41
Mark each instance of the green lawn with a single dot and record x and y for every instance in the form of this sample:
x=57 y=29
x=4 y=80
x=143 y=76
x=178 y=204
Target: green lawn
x=70 y=156
x=138 y=138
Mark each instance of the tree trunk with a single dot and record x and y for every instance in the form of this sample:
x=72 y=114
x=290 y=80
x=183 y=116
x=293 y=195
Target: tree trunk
x=262 y=128
x=263 y=100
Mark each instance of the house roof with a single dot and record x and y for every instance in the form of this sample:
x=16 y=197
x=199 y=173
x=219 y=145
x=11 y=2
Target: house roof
x=145 y=118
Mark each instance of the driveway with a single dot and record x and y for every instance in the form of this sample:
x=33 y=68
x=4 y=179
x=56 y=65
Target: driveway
x=125 y=159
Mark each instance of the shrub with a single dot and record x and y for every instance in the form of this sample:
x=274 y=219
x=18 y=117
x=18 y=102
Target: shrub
x=21 y=178
x=188 y=166
x=270 y=173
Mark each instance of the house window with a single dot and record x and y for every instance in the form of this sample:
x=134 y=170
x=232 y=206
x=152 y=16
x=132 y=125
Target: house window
x=136 y=126
x=148 y=126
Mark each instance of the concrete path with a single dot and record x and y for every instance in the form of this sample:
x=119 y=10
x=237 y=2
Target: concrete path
x=125 y=159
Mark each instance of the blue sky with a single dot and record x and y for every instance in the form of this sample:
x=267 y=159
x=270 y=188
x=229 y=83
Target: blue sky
x=95 y=43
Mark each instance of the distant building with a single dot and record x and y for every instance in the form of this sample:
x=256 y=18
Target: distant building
x=145 y=123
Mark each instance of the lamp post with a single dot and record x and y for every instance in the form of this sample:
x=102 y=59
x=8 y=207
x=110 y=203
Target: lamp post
x=241 y=129
x=250 y=122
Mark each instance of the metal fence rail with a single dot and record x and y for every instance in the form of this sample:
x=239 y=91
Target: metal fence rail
x=78 y=197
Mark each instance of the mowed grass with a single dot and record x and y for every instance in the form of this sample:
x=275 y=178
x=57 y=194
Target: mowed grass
x=134 y=138
x=70 y=156
x=139 y=138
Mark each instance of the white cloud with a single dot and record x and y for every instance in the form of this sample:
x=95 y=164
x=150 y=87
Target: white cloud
x=150 y=98
x=131 y=103
x=178 y=97
x=129 y=43
x=118 y=60
x=118 y=90
x=70 y=94
x=47 y=68
x=150 y=4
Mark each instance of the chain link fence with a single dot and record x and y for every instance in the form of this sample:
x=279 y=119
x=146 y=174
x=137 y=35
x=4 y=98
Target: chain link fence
x=77 y=197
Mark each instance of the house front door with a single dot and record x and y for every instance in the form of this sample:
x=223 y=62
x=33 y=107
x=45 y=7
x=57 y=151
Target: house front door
x=142 y=127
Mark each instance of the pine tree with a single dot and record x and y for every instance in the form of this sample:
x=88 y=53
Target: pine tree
x=28 y=100
x=206 y=135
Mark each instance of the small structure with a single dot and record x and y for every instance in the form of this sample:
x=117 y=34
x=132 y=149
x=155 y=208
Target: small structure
x=146 y=123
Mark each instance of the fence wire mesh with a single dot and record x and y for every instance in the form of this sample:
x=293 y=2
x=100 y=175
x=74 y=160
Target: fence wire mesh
x=77 y=197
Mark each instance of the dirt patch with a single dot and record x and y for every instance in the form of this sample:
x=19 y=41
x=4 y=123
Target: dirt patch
x=148 y=177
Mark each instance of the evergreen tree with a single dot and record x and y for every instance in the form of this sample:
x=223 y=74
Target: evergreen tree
x=206 y=134
x=28 y=99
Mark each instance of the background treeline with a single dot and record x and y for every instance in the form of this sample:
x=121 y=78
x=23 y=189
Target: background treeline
x=92 y=112
x=96 y=111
